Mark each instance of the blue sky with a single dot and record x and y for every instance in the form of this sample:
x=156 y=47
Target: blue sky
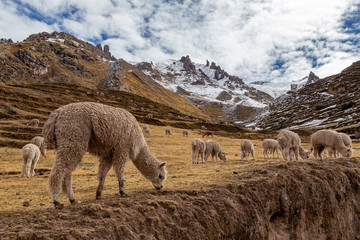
x=262 y=40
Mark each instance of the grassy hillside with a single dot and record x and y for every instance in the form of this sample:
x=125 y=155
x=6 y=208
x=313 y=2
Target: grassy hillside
x=60 y=58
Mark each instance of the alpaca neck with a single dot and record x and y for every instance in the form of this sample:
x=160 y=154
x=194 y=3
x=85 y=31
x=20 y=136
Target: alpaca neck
x=145 y=162
x=302 y=150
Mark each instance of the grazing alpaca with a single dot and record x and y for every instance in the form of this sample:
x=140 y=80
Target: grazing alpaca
x=168 y=131
x=198 y=148
x=247 y=148
x=146 y=131
x=270 y=145
x=329 y=139
x=40 y=142
x=33 y=122
x=290 y=145
x=347 y=141
x=208 y=134
x=30 y=155
x=112 y=134
x=186 y=133
x=214 y=149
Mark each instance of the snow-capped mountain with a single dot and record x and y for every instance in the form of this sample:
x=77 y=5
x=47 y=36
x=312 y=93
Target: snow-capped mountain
x=277 y=89
x=205 y=83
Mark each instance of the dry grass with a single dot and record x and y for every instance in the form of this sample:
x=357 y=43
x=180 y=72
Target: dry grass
x=175 y=150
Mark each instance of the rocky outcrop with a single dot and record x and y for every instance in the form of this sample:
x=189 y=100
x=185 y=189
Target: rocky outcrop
x=71 y=40
x=38 y=67
x=5 y=41
x=181 y=91
x=188 y=65
x=312 y=78
x=224 y=96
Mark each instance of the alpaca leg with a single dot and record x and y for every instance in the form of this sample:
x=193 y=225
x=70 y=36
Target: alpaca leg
x=320 y=150
x=23 y=170
x=66 y=162
x=296 y=152
x=252 y=154
x=119 y=166
x=55 y=182
x=286 y=153
x=207 y=154
x=104 y=167
x=33 y=166
x=67 y=187
x=265 y=153
x=28 y=167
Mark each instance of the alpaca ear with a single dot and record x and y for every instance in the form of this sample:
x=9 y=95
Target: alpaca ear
x=162 y=164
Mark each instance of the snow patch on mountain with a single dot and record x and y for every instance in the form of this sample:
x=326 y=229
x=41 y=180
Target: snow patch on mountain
x=202 y=84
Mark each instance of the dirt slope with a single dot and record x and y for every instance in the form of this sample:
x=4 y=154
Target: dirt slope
x=296 y=200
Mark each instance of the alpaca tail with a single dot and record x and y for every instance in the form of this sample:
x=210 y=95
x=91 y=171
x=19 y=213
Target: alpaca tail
x=49 y=129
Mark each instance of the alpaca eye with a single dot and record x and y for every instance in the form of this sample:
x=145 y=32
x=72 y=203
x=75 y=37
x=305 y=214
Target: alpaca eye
x=160 y=177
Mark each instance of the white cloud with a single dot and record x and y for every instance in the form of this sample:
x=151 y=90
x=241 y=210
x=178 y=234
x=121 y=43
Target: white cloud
x=18 y=26
x=244 y=37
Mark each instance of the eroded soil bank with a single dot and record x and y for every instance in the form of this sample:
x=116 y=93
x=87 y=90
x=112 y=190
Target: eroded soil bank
x=296 y=200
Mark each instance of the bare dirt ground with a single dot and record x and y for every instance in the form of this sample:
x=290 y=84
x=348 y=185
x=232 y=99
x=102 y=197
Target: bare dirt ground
x=283 y=200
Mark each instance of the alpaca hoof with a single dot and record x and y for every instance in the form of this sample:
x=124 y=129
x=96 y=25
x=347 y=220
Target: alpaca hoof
x=58 y=205
x=72 y=201
x=98 y=197
x=122 y=193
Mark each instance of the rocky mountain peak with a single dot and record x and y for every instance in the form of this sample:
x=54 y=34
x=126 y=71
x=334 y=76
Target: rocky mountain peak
x=70 y=40
x=312 y=78
x=188 y=65
x=5 y=41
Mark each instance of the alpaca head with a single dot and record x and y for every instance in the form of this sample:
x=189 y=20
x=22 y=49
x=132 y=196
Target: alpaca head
x=305 y=154
x=159 y=176
x=222 y=156
x=43 y=150
x=347 y=152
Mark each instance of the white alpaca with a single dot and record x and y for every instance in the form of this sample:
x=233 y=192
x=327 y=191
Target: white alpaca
x=168 y=131
x=270 y=145
x=146 y=131
x=30 y=155
x=40 y=142
x=214 y=149
x=186 y=133
x=347 y=141
x=290 y=145
x=329 y=139
x=246 y=148
x=198 y=149
x=111 y=133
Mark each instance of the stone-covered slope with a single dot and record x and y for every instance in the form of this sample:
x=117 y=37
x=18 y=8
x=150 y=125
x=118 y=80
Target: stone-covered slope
x=331 y=102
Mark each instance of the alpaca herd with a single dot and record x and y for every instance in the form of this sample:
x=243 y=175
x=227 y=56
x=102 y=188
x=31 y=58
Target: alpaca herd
x=114 y=136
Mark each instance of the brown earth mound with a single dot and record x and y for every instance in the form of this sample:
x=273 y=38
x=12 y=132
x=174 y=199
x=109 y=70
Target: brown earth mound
x=293 y=200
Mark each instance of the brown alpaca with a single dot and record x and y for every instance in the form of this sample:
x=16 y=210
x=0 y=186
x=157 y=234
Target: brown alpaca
x=110 y=133
x=208 y=134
